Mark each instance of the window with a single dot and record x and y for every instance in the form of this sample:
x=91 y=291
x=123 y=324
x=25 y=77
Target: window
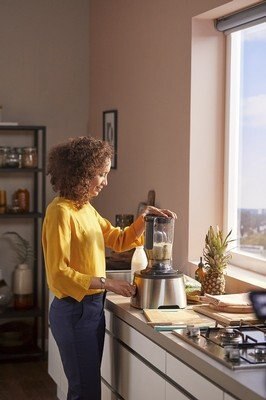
x=245 y=160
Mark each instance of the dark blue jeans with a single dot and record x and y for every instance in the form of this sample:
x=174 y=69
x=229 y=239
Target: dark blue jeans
x=78 y=329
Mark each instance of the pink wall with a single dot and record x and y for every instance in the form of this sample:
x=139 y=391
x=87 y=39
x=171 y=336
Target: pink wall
x=44 y=65
x=140 y=63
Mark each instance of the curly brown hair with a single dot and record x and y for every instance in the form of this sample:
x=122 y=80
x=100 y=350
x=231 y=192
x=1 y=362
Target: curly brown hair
x=72 y=164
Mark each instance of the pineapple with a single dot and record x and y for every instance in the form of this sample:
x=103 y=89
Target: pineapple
x=216 y=257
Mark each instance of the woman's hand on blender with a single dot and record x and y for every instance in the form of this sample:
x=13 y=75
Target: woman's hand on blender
x=118 y=286
x=159 y=211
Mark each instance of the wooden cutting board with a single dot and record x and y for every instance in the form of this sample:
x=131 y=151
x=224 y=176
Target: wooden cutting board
x=176 y=317
x=226 y=318
x=232 y=309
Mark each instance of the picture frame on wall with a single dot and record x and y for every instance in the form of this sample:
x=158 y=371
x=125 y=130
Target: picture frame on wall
x=110 y=132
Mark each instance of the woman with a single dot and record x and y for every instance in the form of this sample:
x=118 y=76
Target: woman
x=74 y=240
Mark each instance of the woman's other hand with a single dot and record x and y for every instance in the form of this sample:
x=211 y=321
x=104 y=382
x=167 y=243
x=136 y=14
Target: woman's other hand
x=159 y=211
x=121 y=287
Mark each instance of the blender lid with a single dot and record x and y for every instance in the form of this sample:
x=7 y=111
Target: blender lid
x=159 y=218
x=151 y=222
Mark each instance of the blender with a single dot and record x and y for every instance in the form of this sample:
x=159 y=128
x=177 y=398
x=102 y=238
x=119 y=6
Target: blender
x=159 y=285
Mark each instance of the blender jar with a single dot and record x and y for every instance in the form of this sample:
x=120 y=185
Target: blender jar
x=159 y=236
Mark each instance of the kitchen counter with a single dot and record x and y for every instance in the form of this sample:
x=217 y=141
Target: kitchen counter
x=248 y=384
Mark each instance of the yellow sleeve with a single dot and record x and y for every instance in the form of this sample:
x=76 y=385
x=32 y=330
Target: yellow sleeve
x=62 y=279
x=121 y=240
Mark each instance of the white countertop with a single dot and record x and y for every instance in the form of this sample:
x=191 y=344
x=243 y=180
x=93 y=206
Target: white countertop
x=246 y=384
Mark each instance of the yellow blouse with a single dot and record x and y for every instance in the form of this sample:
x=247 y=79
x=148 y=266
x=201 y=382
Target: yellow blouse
x=74 y=244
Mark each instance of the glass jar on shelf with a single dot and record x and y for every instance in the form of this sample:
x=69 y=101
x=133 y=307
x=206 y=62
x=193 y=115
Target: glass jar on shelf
x=14 y=208
x=3 y=155
x=2 y=201
x=22 y=199
x=19 y=153
x=29 y=157
x=12 y=158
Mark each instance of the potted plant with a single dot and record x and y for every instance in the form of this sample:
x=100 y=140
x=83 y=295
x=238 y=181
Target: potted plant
x=22 y=276
x=216 y=257
x=22 y=248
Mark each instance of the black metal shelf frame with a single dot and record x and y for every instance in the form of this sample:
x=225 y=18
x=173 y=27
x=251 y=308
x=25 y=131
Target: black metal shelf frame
x=37 y=348
x=11 y=313
x=21 y=215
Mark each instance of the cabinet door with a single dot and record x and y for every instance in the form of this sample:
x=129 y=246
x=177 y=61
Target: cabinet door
x=63 y=381
x=191 y=381
x=108 y=361
x=107 y=394
x=55 y=367
x=154 y=354
x=173 y=393
x=136 y=380
x=228 y=397
x=53 y=359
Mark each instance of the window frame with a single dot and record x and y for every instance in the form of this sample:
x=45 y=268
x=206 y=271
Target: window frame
x=240 y=259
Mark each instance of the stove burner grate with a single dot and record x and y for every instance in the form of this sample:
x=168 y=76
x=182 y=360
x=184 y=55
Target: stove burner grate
x=258 y=354
x=229 y=336
x=236 y=347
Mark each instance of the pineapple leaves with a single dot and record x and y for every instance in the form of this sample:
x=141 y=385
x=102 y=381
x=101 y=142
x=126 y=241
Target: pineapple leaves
x=215 y=253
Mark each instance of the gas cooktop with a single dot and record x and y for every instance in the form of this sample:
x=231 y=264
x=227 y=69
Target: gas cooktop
x=236 y=347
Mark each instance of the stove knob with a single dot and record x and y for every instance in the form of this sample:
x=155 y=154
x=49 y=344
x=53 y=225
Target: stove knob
x=193 y=331
x=227 y=350
x=234 y=354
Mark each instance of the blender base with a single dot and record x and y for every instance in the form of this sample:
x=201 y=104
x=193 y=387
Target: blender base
x=159 y=291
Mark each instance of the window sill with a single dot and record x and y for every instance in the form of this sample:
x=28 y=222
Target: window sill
x=238 y=280
x=248 y=279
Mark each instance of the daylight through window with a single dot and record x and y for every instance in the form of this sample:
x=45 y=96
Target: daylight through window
x=245 y=200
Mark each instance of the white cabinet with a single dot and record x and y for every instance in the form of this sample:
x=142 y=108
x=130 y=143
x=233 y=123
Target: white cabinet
x=136 y=380
x=172 y=393
x=63 y=383
x=53 y=359
x=150 y=351
x=108 y=361
x=129 y=376
x=107 y=394
x=55 y=367
x=135 y=368
x=191 y=381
